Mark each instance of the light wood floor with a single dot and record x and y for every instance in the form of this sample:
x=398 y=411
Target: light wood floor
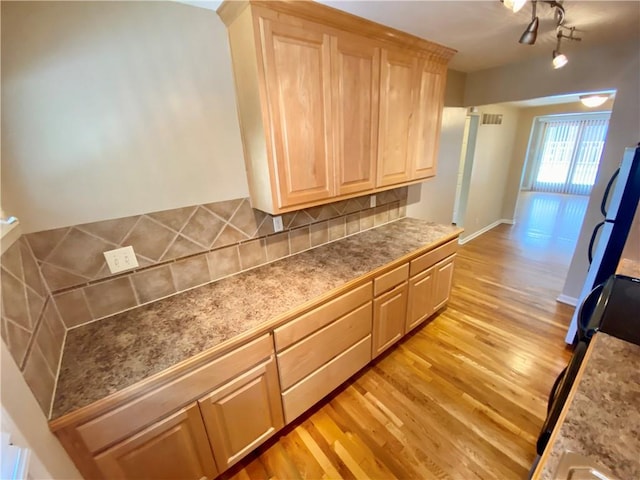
x=462 y=398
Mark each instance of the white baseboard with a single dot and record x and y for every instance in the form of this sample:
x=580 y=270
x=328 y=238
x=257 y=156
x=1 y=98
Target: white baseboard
x=485 y=230
x=566 y=299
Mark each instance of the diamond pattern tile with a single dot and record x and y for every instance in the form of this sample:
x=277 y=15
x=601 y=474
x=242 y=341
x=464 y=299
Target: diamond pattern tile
x=203 y=227
x=174 y=219
x=80 y=253
x=150 y=238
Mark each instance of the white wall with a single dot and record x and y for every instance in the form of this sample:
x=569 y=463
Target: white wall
x=489 y=174
x=112 y=109
x=29 y=426
x=613 y=67
x=433 y=200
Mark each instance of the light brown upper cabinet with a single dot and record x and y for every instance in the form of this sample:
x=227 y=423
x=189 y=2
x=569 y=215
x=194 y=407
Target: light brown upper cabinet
x=331 y=106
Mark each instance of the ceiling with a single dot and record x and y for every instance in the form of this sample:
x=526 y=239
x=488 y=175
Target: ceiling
x=486 y=34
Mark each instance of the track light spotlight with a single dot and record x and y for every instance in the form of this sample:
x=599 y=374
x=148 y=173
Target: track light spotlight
x=531 y=33
x=514 y=5
x=559 y=58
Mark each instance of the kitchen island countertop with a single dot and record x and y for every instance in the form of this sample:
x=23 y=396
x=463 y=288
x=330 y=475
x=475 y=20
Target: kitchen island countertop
x=602 y=421
x=108 y=355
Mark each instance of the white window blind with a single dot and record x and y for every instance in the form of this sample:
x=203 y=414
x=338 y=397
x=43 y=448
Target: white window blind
x=567 y=153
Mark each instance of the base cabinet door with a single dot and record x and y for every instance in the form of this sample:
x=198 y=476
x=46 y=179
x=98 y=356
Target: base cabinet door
x=389 y=316
x=443 y=273
x=420 y=303
x=175 y=447
x=240 y=415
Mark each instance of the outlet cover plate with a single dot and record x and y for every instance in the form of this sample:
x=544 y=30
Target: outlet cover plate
x=121 y=259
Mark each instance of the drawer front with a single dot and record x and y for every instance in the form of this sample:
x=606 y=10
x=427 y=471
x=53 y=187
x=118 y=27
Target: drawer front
x=319 y=317
x=429 y=259
x=122 y=422
x=304 y=394
x=390 y=279
x=304 y=357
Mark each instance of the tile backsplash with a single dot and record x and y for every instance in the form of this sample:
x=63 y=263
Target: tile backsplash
x=58 y=279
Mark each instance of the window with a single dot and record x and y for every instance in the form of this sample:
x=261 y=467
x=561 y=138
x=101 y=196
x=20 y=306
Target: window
x=565 y=151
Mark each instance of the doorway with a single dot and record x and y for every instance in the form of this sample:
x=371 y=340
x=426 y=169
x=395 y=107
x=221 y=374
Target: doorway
x=467 y=153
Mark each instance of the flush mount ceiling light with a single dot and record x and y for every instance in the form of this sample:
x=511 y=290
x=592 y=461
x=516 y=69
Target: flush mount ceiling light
x=559 y=58
x=594 y=100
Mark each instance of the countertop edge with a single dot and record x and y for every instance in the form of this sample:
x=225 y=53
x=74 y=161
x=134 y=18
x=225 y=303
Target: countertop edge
x=142 y=387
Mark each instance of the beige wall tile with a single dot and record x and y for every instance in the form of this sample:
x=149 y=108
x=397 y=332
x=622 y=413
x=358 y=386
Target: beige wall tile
x=353 y=205
x=11 y=260
x=40 y=379
x=229 y=236
x=299 y=240
x=57 y=278
x=337 y=228
x=80 y=253
x=53 y=320
x=319 y=233
x=73 y=308
x=246 y=219
x=402 y=211
x=31 y=270
x=203 y=227
x=252 y=253
x=394 y=211
x=301 y=219
x=277 y=246
x=43 y=243
x=111 y=296
x=153 y=283
x=182 y=247
x=16 y=338
x=366 y=219
x=224 y=209
x=112 y=231
x=36 y=304
x=50 y=346
x=190 y=272
x=381 y=215
x=353 y=223
x=175 y=218
x=223 y=262
x=149 y=238
x=14 y=300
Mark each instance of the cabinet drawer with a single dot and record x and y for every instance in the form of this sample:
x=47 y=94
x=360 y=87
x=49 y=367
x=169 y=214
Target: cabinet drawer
x=390 y=279
x=314 y=351
x=122 y=422
x=429 y=259
x=319 y=317
x=304 y=394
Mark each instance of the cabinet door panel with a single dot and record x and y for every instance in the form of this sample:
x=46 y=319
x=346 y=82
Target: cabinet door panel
x=356 y=77
x=420 y=303
x=427 y=120
x=242 y=414
x=443 y=272
x=389 y=317
x=175 y=447
x=298 y=77
x=397 y=79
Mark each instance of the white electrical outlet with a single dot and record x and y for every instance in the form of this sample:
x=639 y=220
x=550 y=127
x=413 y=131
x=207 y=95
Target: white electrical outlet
x=277 y=224
x=121 y=259
x=372 y=201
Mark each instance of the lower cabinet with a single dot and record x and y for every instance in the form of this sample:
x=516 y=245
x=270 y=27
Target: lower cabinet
x=197 y=421
x=389 y=314
x=242 y=414
x=174 y=447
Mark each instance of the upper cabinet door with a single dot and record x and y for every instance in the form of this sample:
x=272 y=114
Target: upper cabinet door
x=355 y=82
x=427 y=119
x=298 y=86
x=397 y=89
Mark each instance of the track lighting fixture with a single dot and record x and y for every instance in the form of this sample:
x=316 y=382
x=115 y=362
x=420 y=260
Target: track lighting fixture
x=531 y=33
x=514 y=5
x=559 y=58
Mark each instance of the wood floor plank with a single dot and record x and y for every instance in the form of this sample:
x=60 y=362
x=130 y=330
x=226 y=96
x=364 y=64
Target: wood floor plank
x=463 y=397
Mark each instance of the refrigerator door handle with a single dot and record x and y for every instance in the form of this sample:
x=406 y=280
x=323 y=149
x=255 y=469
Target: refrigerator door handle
x=607 y=191
x=592 y=241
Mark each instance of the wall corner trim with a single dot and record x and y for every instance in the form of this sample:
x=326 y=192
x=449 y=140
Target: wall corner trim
x=566 y=299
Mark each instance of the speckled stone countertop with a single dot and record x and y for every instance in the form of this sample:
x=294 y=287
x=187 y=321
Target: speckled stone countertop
x=628 y=267
x=106 y=356
x=603 y=420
